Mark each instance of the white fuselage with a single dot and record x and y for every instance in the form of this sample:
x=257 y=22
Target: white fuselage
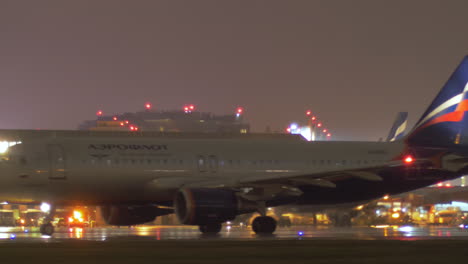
x=95 y=169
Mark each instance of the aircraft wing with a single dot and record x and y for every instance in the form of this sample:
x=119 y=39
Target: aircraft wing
x=325 y=179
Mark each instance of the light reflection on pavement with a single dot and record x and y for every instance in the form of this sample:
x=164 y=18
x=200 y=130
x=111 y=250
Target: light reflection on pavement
x=21 y=234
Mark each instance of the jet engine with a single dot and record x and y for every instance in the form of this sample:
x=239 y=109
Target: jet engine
x=203 y=206
x=131 y=215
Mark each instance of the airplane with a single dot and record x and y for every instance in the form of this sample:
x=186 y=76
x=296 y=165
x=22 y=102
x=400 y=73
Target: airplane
x=208 y=179
x=398 y=129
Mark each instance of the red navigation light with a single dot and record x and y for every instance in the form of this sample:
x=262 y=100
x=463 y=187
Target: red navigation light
x=148 y=106
x=99 y=113
x=408 y=159
x=191 y=107
x=308 y=113
x=239 y=110
x=319 y=125
x=114 y=118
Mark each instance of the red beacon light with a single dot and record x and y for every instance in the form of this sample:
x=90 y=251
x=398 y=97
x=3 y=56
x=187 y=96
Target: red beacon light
x=191 y=107
x=239 y=111
x=148 y=106
x=408 y=159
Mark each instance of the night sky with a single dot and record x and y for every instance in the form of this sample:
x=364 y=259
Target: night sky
x=353 y=63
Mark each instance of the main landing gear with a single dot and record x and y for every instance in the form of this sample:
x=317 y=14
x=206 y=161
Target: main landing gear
x=263 y=225
x=210 y=229
x=47 y=228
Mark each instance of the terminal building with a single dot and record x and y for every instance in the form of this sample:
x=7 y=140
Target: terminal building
x=187 y=120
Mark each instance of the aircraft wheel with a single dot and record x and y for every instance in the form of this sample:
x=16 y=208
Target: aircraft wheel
x=212 y=228
x=264 y=225
x=46 y=229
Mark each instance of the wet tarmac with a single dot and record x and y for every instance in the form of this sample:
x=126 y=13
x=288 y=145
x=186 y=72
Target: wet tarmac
x=144 y=233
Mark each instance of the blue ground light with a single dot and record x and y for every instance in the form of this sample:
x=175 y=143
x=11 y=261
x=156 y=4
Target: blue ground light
x=300 y=233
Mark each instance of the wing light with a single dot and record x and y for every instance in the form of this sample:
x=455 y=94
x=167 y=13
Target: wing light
x=408 y=159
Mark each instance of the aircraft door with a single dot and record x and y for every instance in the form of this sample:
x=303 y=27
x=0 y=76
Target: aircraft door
x=56 y=162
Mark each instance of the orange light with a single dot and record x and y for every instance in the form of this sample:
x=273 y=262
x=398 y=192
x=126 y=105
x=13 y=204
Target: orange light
x=324 y=131
x=122 y=124
x=136 y=128
x=409 y=159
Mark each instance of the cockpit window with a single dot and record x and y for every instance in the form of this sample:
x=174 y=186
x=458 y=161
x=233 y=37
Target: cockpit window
x=5 y=149
x=5 y=145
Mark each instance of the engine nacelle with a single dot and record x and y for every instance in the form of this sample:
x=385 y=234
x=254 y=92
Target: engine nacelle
x=131 y=215
x=202 y=206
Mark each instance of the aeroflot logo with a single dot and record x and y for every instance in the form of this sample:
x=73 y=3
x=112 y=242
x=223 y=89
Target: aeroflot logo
x=126 y=147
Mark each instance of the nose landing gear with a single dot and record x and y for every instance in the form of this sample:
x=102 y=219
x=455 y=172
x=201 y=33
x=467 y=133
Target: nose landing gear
x=47 y=228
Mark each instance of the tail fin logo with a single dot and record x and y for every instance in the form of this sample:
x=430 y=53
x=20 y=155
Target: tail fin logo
x=451 y=110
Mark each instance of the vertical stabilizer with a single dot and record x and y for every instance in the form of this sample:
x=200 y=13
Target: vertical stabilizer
x=398 y=129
